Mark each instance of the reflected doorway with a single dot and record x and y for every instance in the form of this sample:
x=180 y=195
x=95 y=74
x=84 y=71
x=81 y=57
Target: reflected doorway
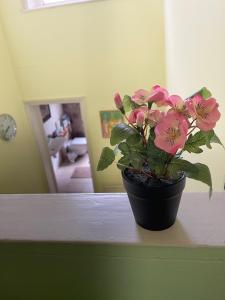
x=59 y=130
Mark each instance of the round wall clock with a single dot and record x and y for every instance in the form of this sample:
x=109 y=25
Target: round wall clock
x=7 y=127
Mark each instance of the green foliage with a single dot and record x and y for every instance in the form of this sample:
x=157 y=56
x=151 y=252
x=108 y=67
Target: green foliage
x=134 y=139
x=216 y=140
x=121 y=132
x=123 y=163
x=150 y=105
x=194 y=142
x=202 y=175
x=128 y=104
x=196 y=171
x=157 y=159
x=205 y=93
x=107 y=158
x=201 y=138
x=178 y=165
x=132 y=156
x=134 y=143
x=124 y=148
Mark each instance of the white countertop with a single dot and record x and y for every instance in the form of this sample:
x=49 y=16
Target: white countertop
x=107 y=218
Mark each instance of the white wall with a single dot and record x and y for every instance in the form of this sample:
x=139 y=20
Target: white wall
x=56 y=113
x=50 y=126
x=195 y=47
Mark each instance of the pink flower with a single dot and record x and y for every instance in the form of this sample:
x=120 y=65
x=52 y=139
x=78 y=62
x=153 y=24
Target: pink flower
x=204 y=111
x=141 y=96
x=177 y=103
x=154 y=116
x=140 y=118
x=178 y=106
x=133 y=115
x=158 y=95
x=118 y=100
x=171 y=133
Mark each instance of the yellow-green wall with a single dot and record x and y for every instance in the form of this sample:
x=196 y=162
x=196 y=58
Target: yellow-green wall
x=89 y=50
x=20 y=170
x=195 y=58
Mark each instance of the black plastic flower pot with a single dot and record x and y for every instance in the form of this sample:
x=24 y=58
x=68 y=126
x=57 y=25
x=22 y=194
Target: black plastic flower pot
x=154 y=205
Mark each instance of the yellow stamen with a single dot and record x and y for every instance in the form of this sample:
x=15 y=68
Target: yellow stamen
x=173 y=134
x=201 y=111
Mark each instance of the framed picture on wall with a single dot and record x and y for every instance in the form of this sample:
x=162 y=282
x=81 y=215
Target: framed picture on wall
x=45 y=112
x=109 y=118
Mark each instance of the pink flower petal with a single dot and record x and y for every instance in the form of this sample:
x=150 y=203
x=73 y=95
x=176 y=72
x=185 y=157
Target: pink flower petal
x=140 y=96
x=158 y=95
x=118 y=100
x=140 y=118
x=204 y=111
x=132 y=118
x=154 y=117
x=171 y=133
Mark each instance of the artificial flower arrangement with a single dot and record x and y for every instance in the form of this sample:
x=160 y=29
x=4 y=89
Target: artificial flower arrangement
x=158 y=129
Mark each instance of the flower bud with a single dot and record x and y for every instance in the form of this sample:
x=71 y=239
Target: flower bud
x=118 y=102
x=140 y=119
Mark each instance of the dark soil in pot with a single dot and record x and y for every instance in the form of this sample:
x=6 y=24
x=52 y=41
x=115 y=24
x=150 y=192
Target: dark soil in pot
x=154 y=202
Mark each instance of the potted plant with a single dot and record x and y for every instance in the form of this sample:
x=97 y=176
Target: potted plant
x=158 y=129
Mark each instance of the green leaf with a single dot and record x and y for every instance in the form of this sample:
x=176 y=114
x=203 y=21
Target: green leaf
x=178 y=166
x=196 y=171
x=134 y=139
x=197 y=150
x=136 y=160
x=203 y=174
x=211 y=137
x=150 y=105
x=120 y=132
x=215 y=139
x=123 y=163
x=194 y=142
x=133 y=155
x=107 y=157
x=124 y=148
x=208 y=138
x=128 y=104
x=201 y=138
x=205 y=93
x=157 y=158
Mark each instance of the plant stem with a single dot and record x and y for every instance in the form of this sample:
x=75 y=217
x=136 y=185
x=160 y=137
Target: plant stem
x=192 y=122
x=143 y=137
x=130 y=123
x=193 y=128
x=171 y=156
